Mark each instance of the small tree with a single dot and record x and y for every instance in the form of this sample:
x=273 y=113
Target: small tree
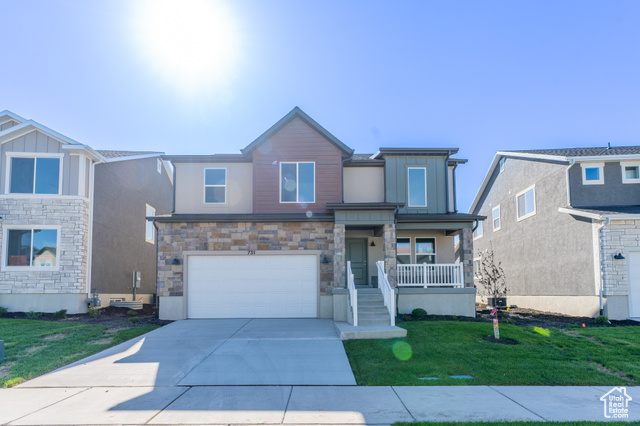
x=492 y=281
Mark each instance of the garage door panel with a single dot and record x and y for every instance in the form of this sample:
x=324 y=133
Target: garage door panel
x=241 y=286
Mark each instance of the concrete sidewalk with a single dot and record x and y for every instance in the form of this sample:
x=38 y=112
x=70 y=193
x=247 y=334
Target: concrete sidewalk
x=303 y=404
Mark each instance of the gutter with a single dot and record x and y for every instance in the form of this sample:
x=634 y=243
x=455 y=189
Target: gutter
x=602 y=264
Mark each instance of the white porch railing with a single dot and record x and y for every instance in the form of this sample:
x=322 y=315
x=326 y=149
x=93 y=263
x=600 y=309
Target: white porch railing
x=388 y=293
x=426 y=275
x=353 y=294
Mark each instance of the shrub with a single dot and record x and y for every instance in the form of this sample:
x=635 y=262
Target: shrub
x=33 y=315
x=134 y=320
x=419 y=313
x=93 y=312
x=61 y=314
x=132 y=313
x=3 y=311
x=602 y=320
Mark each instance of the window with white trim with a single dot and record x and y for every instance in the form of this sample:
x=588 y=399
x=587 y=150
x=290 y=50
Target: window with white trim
x=495 y=213
x=592 y=173
x=425 y=250
x=417 y=180
x=630 y=172
x=34 y=175
x=215 y=186
x=150 y=231
x=403 y=251
x=28 y=248
x=477 y=267
x=298 y=182
x=502 y=161
x=526 y=203
x=478 y=231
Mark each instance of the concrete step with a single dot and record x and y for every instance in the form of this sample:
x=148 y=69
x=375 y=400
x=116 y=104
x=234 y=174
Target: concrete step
x=373 y=316
x=371 y=298
x=373 y=310
x=370 y=321
x=347 y=331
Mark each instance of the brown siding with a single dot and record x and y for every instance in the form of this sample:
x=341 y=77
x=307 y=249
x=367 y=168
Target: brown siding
x=296 y=142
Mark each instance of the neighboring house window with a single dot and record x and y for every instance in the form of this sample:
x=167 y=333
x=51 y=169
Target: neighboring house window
x=31 y=248
x=526 y=203
x=35 y=175
x=630 y=172
x=297 y=183
x=592 y=173
x=477 y=267
x=403 y=251
x=215 y=186
x=425 y=250
x=149 y=229
x=502 y=161
x=496 y=218
x=478 y=232
x=417 y=187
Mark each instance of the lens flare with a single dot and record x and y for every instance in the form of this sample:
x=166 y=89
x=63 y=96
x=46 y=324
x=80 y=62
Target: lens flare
x=402 y=350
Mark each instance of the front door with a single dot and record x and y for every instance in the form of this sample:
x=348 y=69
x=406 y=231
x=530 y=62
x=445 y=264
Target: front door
x=357 y=255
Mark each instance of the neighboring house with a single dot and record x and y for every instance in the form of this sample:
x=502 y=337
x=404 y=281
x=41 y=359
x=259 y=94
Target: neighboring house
x=73 y=219
x=565 y=223
x=273 y=231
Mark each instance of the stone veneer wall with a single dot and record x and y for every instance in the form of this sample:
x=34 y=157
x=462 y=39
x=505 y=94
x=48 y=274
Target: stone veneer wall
x=174 y=238
x=71 y=214
x=339 y=256
x=466 y=256
x=389 y=252
x=618 y=236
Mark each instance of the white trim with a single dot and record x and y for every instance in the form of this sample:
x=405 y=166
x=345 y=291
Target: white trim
x=36 y=155
x=527 y=215
x=493 y=218
x=501 y=163
x=435 y=247
x=159 y=166
x=297 y=163
x=8 y=120
x=13 y=117
x=131 y=157
x=599 y=166
x=82 y=175
x=409 y=186
x=597 y=216
x=31 y=126
x=533 y=156
x=624 y=165
x=477 y=259
x=606 y=158
x=40 y=196
x=479 y=226
x=205 y=186
x=580 y=213
x=151 y=240
x=5 y=241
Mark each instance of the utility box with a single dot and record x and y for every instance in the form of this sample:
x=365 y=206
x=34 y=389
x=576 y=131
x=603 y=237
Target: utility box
x=137 y=279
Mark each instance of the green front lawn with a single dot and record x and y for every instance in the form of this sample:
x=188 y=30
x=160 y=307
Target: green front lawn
x=575 y=356
x=34 y=347
x=511 y=423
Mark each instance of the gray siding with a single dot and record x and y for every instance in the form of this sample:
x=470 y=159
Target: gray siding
x=122 y=190
x=396 y=182
x=612 y=193
x=37 y=142
x=549 y=253
x=364 y=217
x=8 y=124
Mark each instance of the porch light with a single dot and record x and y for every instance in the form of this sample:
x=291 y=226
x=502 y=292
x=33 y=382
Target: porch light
x=618 y=256
x=373 y=244
x=175 y=261
x=325 y=260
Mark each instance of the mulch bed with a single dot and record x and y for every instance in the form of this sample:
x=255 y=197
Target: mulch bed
x=109 y=316
x=523 y=317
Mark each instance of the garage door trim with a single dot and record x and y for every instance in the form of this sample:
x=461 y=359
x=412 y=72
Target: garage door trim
x=187 y=254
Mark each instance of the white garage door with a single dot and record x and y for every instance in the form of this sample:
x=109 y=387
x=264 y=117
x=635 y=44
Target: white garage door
x=252 y=286
x=634 y=284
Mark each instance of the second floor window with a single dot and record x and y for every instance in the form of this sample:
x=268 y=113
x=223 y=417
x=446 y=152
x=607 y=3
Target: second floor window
x=417 y=187
x=35 y=175
x=496 y=218
x=215 y=186
x=478 y=231
x=297 y=183
x=592 y=173
x=149 y=233
x=526 y=203
x=630 y=172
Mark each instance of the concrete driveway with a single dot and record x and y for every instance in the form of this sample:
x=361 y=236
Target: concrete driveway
x=216 y=352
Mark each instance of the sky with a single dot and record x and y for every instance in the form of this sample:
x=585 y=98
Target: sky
x=205 y=77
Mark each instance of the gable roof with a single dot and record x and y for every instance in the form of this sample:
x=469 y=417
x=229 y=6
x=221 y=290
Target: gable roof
x=563 y=155
x=7 y=115
x=293 y=114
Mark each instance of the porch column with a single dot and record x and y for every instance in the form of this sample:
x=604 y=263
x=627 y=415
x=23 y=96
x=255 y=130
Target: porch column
x=389 y=252
x=466 y=256
x=339 y=255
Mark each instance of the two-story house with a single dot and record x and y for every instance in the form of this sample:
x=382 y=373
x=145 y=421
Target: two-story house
x=297 y=224
x=565 y=223
x=73 y=219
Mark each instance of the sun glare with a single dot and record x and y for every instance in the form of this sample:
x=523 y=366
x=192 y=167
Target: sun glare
x=193 y=43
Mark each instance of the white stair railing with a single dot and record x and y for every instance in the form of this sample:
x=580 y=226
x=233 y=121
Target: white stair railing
x=353 y=294
x=388 y=294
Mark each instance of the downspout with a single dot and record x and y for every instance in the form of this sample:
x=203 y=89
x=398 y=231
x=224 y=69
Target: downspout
x=571 y=163
x=156 y=314
x=602 y=264
x=173 y=206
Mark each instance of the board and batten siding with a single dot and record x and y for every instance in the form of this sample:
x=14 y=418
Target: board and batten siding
x=296 y=142
x=396 y=180
x=37 y=142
